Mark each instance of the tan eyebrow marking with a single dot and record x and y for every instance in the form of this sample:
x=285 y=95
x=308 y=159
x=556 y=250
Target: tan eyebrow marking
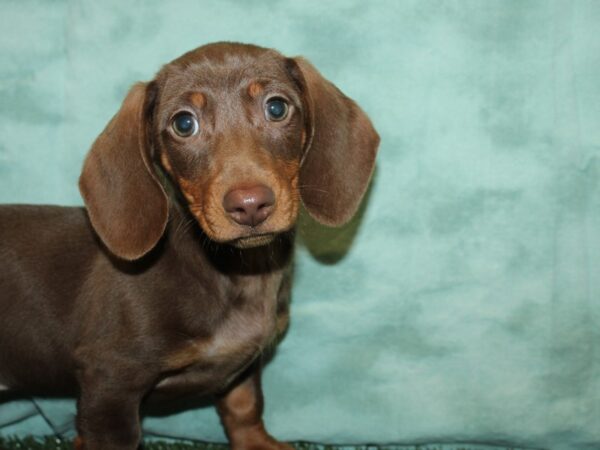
x=198 y=99
x=255 y=89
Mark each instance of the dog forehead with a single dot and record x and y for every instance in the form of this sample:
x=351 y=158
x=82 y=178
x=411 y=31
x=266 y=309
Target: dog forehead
x=219 y=51
x=223 y=67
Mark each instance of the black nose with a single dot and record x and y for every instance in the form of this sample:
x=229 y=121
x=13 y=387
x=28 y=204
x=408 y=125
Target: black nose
x=249 y=206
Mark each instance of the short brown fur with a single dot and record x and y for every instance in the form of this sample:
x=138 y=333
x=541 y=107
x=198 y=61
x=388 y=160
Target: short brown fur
x=157 y=288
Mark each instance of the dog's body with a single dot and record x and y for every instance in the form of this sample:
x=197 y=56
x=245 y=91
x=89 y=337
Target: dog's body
x=225 y=312
x=176 y=278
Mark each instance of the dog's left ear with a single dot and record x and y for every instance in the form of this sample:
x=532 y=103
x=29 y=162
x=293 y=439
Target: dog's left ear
x=340 y=148
x=126 y=203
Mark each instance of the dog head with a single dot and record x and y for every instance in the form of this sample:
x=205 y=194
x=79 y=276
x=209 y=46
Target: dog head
x=245 y=134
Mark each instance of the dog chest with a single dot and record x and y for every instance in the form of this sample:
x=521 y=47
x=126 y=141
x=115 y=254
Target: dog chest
x=247 y=328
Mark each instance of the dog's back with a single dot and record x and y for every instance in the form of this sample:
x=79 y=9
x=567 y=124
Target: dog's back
x=45 y=252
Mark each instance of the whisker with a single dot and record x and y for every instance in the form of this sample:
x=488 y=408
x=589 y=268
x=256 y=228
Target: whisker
x=312 y=188
x=186 y=227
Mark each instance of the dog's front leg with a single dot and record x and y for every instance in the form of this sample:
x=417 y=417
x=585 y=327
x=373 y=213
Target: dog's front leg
x=108 y=411
x=241 y=410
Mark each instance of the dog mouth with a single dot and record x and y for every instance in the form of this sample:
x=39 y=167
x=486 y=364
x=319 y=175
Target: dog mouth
x=253 y=241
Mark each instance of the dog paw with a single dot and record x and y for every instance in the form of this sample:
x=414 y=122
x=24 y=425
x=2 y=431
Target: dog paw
x=261 y=442
x=78 y=443
x=283 y=446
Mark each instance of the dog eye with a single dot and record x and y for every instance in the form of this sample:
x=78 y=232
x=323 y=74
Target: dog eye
x=184 y=124
x=276 y=109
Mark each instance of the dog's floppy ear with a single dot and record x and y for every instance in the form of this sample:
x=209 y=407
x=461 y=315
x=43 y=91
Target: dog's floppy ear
x=126 y=203
x=340 y=149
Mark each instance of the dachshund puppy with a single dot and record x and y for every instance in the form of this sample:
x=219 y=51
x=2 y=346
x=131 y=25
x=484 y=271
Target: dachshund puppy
x=175 y=278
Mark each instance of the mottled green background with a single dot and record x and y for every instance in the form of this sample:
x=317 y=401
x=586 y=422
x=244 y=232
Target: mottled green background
x=464 y=303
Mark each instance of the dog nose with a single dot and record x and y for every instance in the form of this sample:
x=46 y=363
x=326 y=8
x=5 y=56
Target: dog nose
x=249 y=206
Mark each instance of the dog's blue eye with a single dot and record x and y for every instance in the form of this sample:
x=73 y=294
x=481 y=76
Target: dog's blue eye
x=276 y=109
x=185 y=124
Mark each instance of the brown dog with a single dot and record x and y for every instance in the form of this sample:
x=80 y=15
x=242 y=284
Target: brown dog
x=176 y=278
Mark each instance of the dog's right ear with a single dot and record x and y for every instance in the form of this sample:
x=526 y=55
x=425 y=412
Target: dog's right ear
x=126 y=203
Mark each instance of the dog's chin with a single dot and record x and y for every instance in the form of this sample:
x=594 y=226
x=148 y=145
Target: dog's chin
x=252 y=241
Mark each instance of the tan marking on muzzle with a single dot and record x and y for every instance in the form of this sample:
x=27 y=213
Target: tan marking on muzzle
x=187 y=189
x=164 y=160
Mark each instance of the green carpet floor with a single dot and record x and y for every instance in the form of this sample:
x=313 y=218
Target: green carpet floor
x=55 y=443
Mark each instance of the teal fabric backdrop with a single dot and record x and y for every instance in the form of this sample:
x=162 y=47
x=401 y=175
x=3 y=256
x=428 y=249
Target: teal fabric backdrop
x=463 y=303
